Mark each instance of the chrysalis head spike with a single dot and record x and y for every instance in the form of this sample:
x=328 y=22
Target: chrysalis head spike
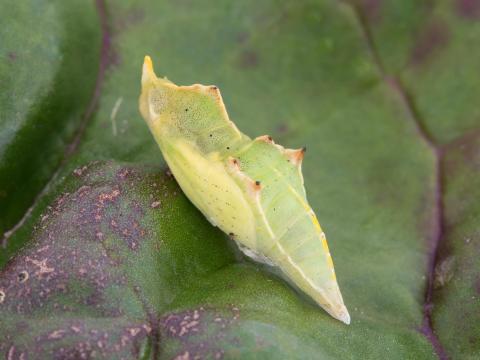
x=148 y=74
x=155 y=92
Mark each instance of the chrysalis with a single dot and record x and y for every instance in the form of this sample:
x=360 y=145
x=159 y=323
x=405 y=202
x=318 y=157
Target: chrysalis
x=251 y=189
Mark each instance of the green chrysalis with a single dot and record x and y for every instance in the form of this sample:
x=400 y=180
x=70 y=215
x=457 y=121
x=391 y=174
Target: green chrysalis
x=251 y=189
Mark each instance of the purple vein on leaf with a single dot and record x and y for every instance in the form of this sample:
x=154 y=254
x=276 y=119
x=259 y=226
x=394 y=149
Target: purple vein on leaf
x=436 y=222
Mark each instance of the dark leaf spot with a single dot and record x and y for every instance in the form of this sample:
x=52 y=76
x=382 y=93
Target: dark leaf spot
x=477 y=286
x=282 y=129
x=12 y=56
x=431 y=40
x=248 y=59
x=469 y=9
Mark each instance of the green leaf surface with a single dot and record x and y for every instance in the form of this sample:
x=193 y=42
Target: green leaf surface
x=48 y=67
x=433 y=47
x=114 y=261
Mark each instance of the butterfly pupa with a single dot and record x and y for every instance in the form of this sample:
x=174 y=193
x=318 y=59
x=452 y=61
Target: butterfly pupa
x=252 y=189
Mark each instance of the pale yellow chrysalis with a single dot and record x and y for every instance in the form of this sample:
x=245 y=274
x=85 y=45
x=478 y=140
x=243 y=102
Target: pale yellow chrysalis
x=251 y=189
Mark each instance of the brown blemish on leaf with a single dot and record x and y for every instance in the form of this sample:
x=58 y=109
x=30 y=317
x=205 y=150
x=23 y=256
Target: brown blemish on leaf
x=55 y=257
x=57 y=334
x=468 y=9
x=122 y=174
x=78 y=340
x=14 y=353
x=79 y=171
x=184 y=356
x=102 y=198
x=48 y=280
x=200 y=330
x=69 y=247
x=444 y=272
x=182 y=324
x=22 y=276
x=155 y=204
x=42 y=267
x=430 y=41
x=12 y=56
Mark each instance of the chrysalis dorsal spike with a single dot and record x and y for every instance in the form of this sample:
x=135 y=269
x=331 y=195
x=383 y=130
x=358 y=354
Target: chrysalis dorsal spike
x=250 y=192
x=253 y=187
x=234 y=163
x=295 y=156
x=266 y=138
x=214 y=90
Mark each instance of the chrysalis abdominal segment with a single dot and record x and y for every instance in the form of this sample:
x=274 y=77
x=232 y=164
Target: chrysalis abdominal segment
x=251 y=189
